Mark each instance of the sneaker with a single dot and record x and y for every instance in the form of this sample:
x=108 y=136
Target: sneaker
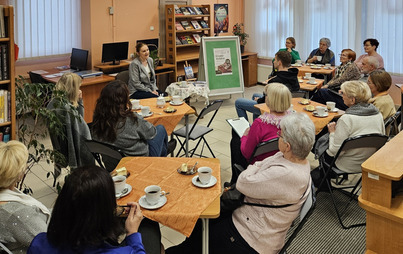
x=171 y=146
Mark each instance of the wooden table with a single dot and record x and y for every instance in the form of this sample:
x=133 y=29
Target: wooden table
x=91 y=88
x=319 y=122
x=306 y=68
x=305 y=86
x=384 y=231
x=180 y=212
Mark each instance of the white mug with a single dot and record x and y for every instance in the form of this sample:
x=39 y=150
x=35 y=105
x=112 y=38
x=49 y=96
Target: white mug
x=120 y=183
x=312 y=80
x=204 y=174
x=153 y=194
x=176 y=99
x=319 y=58
x=330 y=105
x=145 y=110
x=135 y=103
x=320 y=110
x=308 y=75
x=298 y=62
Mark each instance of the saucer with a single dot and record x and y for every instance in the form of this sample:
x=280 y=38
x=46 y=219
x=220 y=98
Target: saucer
x=316 y=114
x=196 y=182
x=316 y=67
x=143 y=203
x=305 y=77
x=300 y=81
x=312 y=83
x=327 y=68
x=335 y=110
x=129 y=189
x=175 y=104
x=149 y=114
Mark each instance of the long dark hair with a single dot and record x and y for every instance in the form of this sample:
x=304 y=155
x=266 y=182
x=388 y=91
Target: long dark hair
x=84 y=213
x=112 y=109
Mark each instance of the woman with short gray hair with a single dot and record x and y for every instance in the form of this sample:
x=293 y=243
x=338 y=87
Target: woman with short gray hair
x=322 y=55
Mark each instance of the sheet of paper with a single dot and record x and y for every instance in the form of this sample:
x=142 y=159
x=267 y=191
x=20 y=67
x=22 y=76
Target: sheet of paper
x=239 y=125
x=39 y=72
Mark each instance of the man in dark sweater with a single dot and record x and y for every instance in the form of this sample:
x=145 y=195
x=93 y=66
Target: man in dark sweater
x=284 y=75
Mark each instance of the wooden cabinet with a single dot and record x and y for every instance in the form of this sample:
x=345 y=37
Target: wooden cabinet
x=249 y=66
x=7 y=82
x=179 y=54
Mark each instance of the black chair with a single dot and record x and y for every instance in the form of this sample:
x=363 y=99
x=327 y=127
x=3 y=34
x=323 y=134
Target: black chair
x=123 y=76
x=304 y=214
x=392 y=124
x=107 y=156
x=4 y=249
x=299 y=94
x=197 y=132
x=264 y=147
x=375 y=141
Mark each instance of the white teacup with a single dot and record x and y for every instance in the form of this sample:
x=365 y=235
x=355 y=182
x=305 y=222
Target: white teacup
x=176 y=99
x=298 y=62
x=135 y=103
x=319 y=58
x=153 y=194
x=312 y=80
x=330 y=105
x=308 y=75
x=320 y=110
x=327 y=65
x=120 y=183
x=145 y=110
x=204 y=174
x=183 y=84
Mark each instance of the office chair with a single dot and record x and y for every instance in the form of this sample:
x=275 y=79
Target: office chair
x=375 y=141
x=107 y=156
x=304 y=214
x=197 y=132
x=123 y=76
x=264 y=147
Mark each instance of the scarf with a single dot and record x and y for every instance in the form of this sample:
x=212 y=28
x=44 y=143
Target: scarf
x=362 y=109
x=341 y=69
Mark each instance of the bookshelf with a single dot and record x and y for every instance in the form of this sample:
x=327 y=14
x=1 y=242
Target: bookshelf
x=182 y=53
x=7 y=73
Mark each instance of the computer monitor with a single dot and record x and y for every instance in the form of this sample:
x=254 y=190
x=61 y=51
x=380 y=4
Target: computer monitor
x=151 y=43
x=78 y=60
x=114 y=52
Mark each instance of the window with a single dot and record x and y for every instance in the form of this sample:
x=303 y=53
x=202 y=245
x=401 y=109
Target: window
x=47 y=27
x=346 y=23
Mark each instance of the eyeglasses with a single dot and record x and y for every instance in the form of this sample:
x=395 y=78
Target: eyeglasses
x=344 y=55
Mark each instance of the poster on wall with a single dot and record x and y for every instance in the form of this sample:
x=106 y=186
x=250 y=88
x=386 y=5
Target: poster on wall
x=220 y=18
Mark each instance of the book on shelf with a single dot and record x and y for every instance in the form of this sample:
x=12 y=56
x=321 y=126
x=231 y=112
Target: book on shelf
x=177 y=41
x=198 y=11
x=204 y=10
x=189 y=39
x=195 y=24
x=191 y=10
x=186 y=25
x=5 y=104
x=4 y=61
x=239 y=125
x=197 y=38
x=2 y=26
x=182 y=38
x=177 y=10
x=203 y=24
x=178 y=26
x=189 y=72
x=5 y=134
x=185 y=11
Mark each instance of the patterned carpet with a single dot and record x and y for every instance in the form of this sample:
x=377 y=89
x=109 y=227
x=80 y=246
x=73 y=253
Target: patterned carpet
x=322 y=233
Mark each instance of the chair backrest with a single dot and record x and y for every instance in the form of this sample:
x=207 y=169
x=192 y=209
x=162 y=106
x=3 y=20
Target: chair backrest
x=298 y=94
x=213 y=107
x=265 y=147
x=4 y=249
x=305 y=212
x=392 y=123
x=111 y=155
x=123 y=76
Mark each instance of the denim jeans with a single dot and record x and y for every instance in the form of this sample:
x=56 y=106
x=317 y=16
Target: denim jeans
x=323 y=95
x=242 y=105
x=157 y=147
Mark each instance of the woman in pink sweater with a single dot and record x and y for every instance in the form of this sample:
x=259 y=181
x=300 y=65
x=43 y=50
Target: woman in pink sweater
x=264 y=128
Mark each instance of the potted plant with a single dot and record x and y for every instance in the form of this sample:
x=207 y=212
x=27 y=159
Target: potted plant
x=238 y=30
x=34 y=121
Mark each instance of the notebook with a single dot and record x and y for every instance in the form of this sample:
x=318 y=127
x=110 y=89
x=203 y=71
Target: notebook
x=239 y=125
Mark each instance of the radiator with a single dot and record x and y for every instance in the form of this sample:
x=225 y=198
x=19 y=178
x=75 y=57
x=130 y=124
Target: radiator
x=263 y=72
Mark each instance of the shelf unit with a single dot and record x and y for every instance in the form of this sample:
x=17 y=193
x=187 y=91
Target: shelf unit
x=9 y=84
x=179 y=54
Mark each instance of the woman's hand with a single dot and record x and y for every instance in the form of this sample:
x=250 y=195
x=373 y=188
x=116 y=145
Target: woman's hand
x=246 y=131
x=155 y=92
x=331 y=127
x=289 y=50
x=133 y=219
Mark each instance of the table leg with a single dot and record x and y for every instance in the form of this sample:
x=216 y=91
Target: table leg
x=205 y=234
x=187 y=135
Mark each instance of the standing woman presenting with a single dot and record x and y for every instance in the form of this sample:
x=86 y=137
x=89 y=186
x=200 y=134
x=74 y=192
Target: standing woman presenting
x=142 y=80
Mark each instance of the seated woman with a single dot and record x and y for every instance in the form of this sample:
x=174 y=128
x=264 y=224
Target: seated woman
x=379 y=82
x=370 y=47
x=76 y=129
x=290 y=47
x=21 y=216
x=84 y=218
x=360 y=118
x=264 y=128
x=348 y=70
x=277 y=180
x=114 y=123
x=323 y=53
x=142 y=81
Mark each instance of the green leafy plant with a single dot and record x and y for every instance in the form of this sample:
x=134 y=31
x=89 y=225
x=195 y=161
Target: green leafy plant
x=155 y=57
x=238 y=30
x=34 y=120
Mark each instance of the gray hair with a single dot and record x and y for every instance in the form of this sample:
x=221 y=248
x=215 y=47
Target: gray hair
x=298 y=130
x=371 y=60
x=325 y=40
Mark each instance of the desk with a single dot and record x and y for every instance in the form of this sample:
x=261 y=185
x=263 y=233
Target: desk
x=91 y=88
x=384 y=231
x=306 y=68
x=319 y=122
x=180 y=212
